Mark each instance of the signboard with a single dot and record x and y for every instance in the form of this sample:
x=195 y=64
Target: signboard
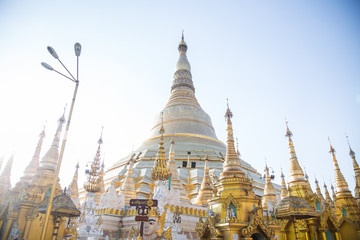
x=144 y=202
x=141 y=218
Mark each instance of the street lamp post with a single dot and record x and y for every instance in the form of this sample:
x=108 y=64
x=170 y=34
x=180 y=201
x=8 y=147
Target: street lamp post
x=77 y=48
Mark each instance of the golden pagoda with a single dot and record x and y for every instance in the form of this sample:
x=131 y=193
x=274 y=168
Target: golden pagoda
x=235 y=207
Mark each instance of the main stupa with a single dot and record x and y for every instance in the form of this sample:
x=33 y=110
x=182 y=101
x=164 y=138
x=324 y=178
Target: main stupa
x=190 y=127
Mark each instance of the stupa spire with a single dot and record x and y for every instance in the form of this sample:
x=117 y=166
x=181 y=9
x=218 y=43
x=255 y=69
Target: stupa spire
x=333 y=193
x=269 y=191
x=160 y=171
x=357 y=174
x=307 y=181
x=49 y=160
x=182 y=89
x=30 y=170
x=73 y=190
x=207 y=189
x=128 y=187
x=284 y=191
x=5 y=183
x=232 y=163
x=93 y=183
x=318 y=191
x=327 y=197
x=269 y=188
x=175 y=181
x=171 y=163
x=296 y=173
x=340 y=182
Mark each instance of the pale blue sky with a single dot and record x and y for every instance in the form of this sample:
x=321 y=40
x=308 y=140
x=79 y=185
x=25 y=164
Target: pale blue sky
x=272 y=59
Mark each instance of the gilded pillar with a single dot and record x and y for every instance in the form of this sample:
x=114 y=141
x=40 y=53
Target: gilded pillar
x=8 y=226
x=1 y=223
x=312 y=230
x=337 y=235
x=323 y=235
x=25 y=233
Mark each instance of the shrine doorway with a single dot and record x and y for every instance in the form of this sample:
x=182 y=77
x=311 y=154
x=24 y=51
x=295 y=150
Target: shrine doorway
x=257 y=236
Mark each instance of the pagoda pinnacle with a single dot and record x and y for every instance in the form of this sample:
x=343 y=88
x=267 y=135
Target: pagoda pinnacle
x=49 y=160
x=318 y=191
x=94 y=178
x=327 y=197
x=340 y=182
x=333 y=193
x=73 y=188
x=183 y=63
x=171 y=163
x=160 y=170
x=128 y=187
x=129 y=179
x=357 y=175
x=269 y=192
x=182 y=89
x=30 y=170
x=207 y=189
x=284 y=191
x=269 y=188
x=5 y=183
x=232 y=163
x=296 y=173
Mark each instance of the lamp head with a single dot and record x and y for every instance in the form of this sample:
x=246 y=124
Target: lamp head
x=52 y=52
x=47 y=66
x=77 y=48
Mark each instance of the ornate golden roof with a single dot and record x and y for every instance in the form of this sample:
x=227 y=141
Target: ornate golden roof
x=62 y=206
x=297 y=207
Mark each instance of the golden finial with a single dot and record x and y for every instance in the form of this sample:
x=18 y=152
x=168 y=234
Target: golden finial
x=288 y=132
x=352 y=154
x=228 y=113
x=95 y=173
x=160 y=170
x=333 y=192
x=284 y=190
x=182 y=45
